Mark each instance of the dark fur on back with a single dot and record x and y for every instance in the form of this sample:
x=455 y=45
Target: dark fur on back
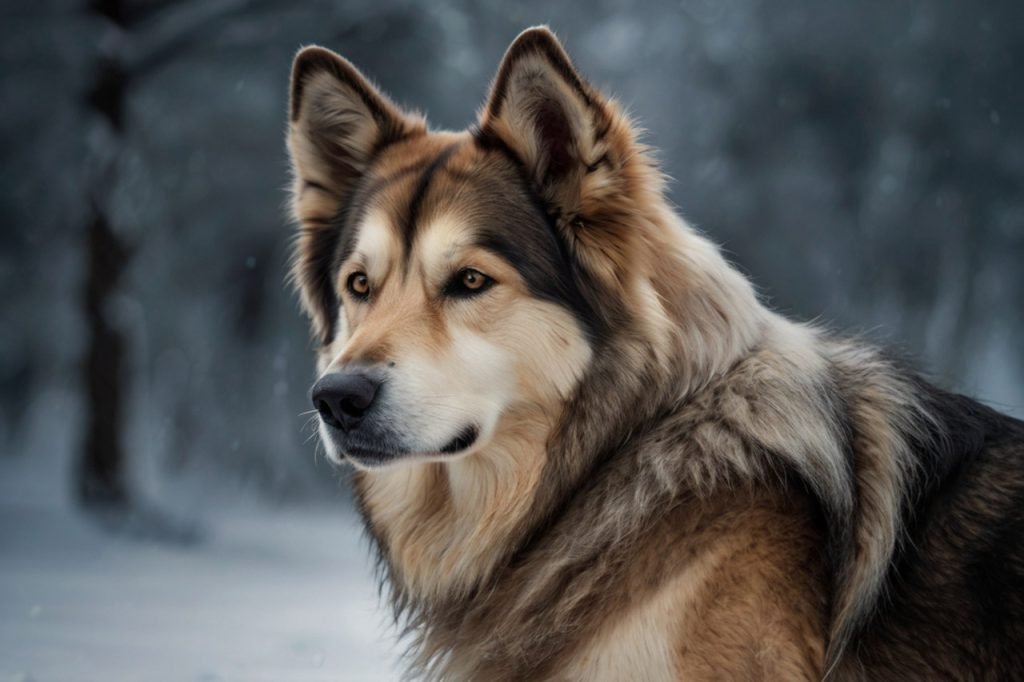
x=953 y=605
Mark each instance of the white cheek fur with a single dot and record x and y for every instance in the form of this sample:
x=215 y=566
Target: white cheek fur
x=437 y=397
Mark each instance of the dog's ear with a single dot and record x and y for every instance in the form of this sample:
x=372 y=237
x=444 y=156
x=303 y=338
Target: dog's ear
x=338 y=121
x=548 y=115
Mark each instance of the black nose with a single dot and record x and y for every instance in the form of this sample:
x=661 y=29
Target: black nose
x=343 y=398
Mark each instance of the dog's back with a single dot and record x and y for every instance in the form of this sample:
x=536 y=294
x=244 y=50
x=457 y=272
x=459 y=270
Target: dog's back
x=953 y=604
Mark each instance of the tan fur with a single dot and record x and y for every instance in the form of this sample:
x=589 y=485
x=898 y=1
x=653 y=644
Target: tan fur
x=754 y=617
x=446 y=525
x=641 y=643
x=734 y=608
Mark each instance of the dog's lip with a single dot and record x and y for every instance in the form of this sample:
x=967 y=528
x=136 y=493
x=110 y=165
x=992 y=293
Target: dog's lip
x=363 y=452
x=372 y=453
x=461 y=442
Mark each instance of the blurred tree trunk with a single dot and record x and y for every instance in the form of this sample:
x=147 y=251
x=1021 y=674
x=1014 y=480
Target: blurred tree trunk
x=141 y=39
x=101 y=480
x=101 y=477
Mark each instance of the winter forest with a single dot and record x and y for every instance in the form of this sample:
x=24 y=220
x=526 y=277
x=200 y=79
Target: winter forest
x=164 y=511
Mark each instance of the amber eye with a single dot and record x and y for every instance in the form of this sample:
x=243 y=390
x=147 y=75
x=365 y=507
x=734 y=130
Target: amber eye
x=358 y=285
x=472 y=279
x=468 y=282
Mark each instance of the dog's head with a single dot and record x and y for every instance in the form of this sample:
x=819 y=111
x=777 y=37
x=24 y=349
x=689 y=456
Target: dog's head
x=456 y=279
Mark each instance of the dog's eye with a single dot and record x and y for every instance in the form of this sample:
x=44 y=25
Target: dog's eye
x=358 y=285
x=473 y=279
x=468 y=282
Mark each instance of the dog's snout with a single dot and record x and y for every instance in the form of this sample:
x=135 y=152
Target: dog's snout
x=343 y=398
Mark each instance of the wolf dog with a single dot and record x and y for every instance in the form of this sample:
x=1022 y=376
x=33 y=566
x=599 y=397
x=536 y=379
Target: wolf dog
x=585 y=450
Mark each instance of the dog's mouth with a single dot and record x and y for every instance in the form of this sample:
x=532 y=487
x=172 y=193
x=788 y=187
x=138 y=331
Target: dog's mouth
x=461 y=442
x=373 y=454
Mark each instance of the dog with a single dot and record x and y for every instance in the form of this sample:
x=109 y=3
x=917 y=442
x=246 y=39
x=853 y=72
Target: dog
x=583 y=447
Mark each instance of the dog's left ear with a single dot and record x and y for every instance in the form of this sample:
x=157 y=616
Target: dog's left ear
x=548 y=116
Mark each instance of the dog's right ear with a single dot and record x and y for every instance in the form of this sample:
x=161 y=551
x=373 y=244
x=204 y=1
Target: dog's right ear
x=338 y=121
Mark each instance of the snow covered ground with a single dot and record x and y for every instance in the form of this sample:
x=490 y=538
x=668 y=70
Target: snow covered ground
x=268 y=594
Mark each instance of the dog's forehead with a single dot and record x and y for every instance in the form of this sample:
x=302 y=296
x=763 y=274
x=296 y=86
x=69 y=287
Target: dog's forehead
x=427 y=195
x=436 y=200
x=440 y=239
x=412 y=177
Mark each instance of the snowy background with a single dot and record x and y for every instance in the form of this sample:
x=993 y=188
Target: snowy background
x=862 y=161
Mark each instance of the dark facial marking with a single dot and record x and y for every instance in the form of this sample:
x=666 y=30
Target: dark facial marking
x=334 y=242
x=519 y=229
x=416 y=202
x=310 y=184
x=382 y=182
x=316 y=268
